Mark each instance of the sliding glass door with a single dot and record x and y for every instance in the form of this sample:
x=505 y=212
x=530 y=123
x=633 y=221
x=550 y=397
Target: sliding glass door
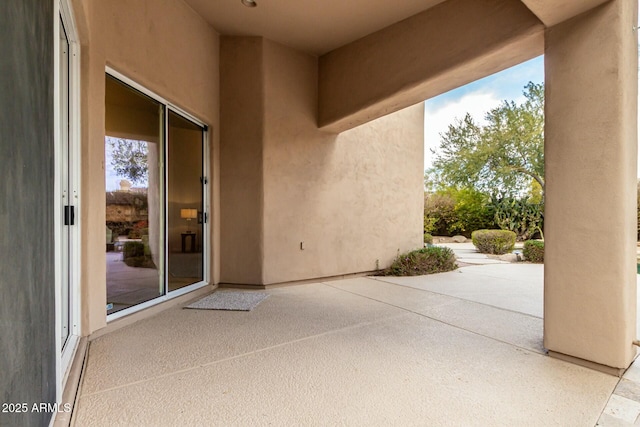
x=155 y=210
x=67 y=207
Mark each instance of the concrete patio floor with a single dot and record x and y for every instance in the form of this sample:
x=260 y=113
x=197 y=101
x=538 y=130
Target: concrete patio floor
x=434 y=350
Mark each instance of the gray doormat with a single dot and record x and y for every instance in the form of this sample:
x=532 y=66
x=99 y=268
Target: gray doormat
x=229 y=300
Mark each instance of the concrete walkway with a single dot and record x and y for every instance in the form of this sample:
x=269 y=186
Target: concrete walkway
x=435 y=350
x=466 y=253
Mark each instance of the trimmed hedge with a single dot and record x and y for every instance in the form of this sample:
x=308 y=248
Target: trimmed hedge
x=433 y=259
x=496 y=242
x=533 y=251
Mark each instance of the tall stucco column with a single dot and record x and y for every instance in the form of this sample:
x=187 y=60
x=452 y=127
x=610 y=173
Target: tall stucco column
x=590 y=157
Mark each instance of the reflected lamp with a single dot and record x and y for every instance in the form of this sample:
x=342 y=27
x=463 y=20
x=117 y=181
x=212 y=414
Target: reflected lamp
x=188 y=214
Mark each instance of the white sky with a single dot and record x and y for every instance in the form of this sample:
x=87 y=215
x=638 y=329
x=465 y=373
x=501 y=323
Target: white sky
x=436 y=122
x=477 y=99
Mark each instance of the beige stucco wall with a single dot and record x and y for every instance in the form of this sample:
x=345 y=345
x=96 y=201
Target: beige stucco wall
x=352 y=198
x=452 y=44
x=552 y=12
x=166 y=47
x=590 y=160
x=241 y=153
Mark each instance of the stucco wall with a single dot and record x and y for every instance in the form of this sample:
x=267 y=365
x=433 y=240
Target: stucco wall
x=166 y=47
x=352 y=198
x=447 y=46
x=241 y=134
x=590 y=200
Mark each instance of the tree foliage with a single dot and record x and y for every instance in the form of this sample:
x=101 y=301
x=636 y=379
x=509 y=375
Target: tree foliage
x=462 y=211
x=457 y=211
x=129 y=159
x=504 y=156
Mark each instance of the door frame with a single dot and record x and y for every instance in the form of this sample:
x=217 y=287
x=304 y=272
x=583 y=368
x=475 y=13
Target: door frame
x=206 y=244
x=64 y=356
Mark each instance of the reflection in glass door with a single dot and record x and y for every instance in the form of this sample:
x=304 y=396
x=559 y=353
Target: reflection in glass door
x=134 y=181
x=155 y=205
x=185 y=207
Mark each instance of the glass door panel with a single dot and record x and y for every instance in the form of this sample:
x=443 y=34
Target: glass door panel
x=134 y=197
x=185 y=208
x=67 y=207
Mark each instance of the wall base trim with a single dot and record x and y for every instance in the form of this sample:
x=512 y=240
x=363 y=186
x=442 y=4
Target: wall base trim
x=296 y=282
x=618 y=372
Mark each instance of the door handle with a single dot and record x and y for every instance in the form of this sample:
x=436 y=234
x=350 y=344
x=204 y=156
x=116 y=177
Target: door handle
x=69 y=215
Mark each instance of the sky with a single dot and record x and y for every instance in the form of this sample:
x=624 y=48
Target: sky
x=477 y=99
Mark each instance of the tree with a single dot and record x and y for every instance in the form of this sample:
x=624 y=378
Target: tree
x=129 y=159
x=457 y=211
x=503 y=156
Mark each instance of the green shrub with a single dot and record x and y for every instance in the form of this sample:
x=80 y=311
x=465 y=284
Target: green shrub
x=534 y=251
x=429 y=224
x=140 y=262
x=136 y=254
x=438 y=213
x=493 y=241
x=452 y=211
x=428 y=238
x=434 y=259
x=472 y=210
x=132 y=249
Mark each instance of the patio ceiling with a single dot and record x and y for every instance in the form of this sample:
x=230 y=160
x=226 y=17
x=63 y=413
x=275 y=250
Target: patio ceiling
x=552 y=12
x=319 y=26
x=315 y=27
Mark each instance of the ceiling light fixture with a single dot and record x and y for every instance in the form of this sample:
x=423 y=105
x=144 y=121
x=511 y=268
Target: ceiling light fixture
x=249 y=3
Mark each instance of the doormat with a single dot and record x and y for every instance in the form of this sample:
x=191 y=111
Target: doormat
x=229 y=300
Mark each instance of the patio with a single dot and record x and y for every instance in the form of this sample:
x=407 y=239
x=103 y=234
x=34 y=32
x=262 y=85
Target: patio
x=429 y=350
